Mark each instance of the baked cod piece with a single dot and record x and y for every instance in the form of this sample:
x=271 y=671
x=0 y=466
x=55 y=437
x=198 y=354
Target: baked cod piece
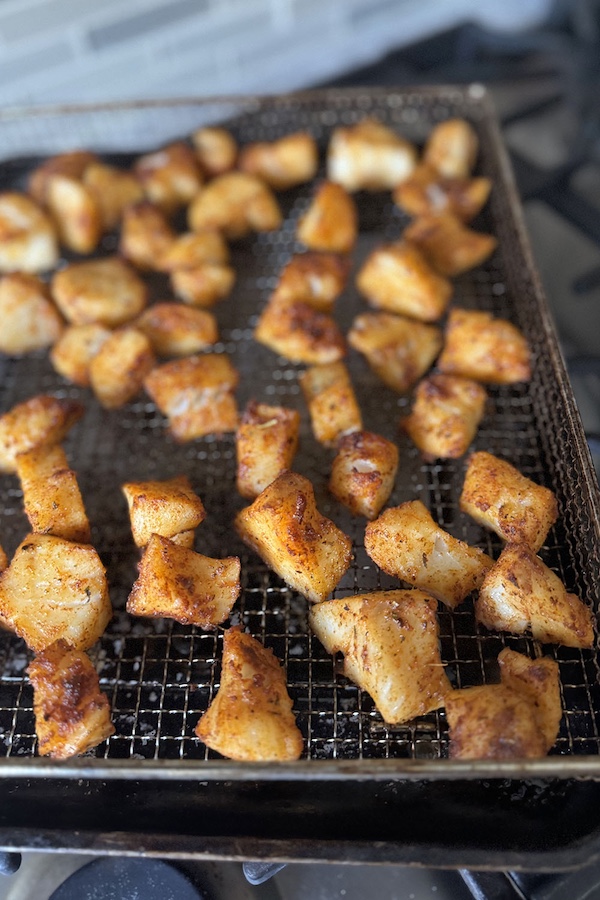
x=28 y=238
x=251 y=717
x=103 y=291
x=203 y=286
x=522 y=594
x=146 y=236
x=445 y=415
x=75 y=212
x=118 y=369
x=498 y=497
x=113 y=191
x=405 y=542
x=398 y=279
x=170 y=177
x=331 y=402
x=71 y=164
x=175 y=330
x=448 y=244
x=73 y=352
x=391 y=649
x=72 y=714
x=369 y=156
x=331 y=221
x=177 y=583
x=235 y=204
x=284 y=163
x=168 y=508
x=363 y=472
x=313 y=278
x=30 y=321
x=196 y=394
x=398 y=350
x=193 y=249
x=516 y=719
x=452 y=148
x=41 y=421
x=285 y=528
x=266 y=443
x=55 y=589
x=216 y=150
x=51 y=495
x=425 y=192
x=484 y=348
x=299 y=332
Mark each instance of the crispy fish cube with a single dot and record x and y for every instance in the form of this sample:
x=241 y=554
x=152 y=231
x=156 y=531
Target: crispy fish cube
x=445 y=415
x=363 y=472
x=500 y=498
x=516 y=719
x=283 y=163
x=71 y=164
x=146 y=236
x=285 y=528
x=398 y=279
x=398 y=350
x=196 y=394
x=331 y=221
x=51 y=495
x=484 y=348
x=170 y=177
x=216 y=150
x=193 y=249
x=331 y=402
x=176 y=330
x=405 y=542
x=300 y=333
x=105 y=291
x=520 y=593
x=448 y=244
x=74 y=350
x=55 y=589
x=167 y=508
x=72 y=714
x=251 y=717
x=452 y=148
x=369 y=156
x=425 y=192
x=28 y=239
x=118 y=369
x=75 y=212
x=266 y=443
x=390 y=644
x=30 y=321
x=236 y=204
x=313 y=278
x=178 y=583
x=203 y=286
x=113 y=190
x=41 y=421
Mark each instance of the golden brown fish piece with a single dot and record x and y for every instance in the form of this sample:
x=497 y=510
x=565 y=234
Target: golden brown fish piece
x=331 y=402
x=331 y=221
x=28 y=237
x=169 y=508
x=30 y=321
x=449 y=245
x=452 y=148
x=484 y=348
x=266 y=443
x=363 y=472
x=103 y=291
x=235 y=204
x=369 y=156
x=41 y=421
x=284 y=163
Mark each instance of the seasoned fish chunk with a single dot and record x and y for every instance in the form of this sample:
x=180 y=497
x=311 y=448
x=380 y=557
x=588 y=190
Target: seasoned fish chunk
x=484 y=348
x=177 y=583
x=73 y=352
x=193 y=249
x=196 y=394
x=251 y=717
x=299 y=332
x=398 y=350
x=266 y=443
x=168 y=508
x=72 y=714
x=55 y=589
x=445 y=415
x=390 y=644
x=105 y=291
x=397 y=278
x=363 y=472
x=28 y=239
x=331 y=402
x=30 y=321
x=203 y=286
x=170 y=177
x=75 y=212
x=331 y=221
x=452 y=148
x=113 y=190
x=175 y=330
x=216 y=150
x=118 y=369
x=236 y=204
x=71 y=164
x=283 y=163
x=500 y=498
x=405 y=542
x=425 y=192
x=369 y=156
x=41 y=421
x=448 y=244
x=313 y=278
x=51 y=495
x=146 y=236
x=520 y=593
x=516 y=719
x=285 y=528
